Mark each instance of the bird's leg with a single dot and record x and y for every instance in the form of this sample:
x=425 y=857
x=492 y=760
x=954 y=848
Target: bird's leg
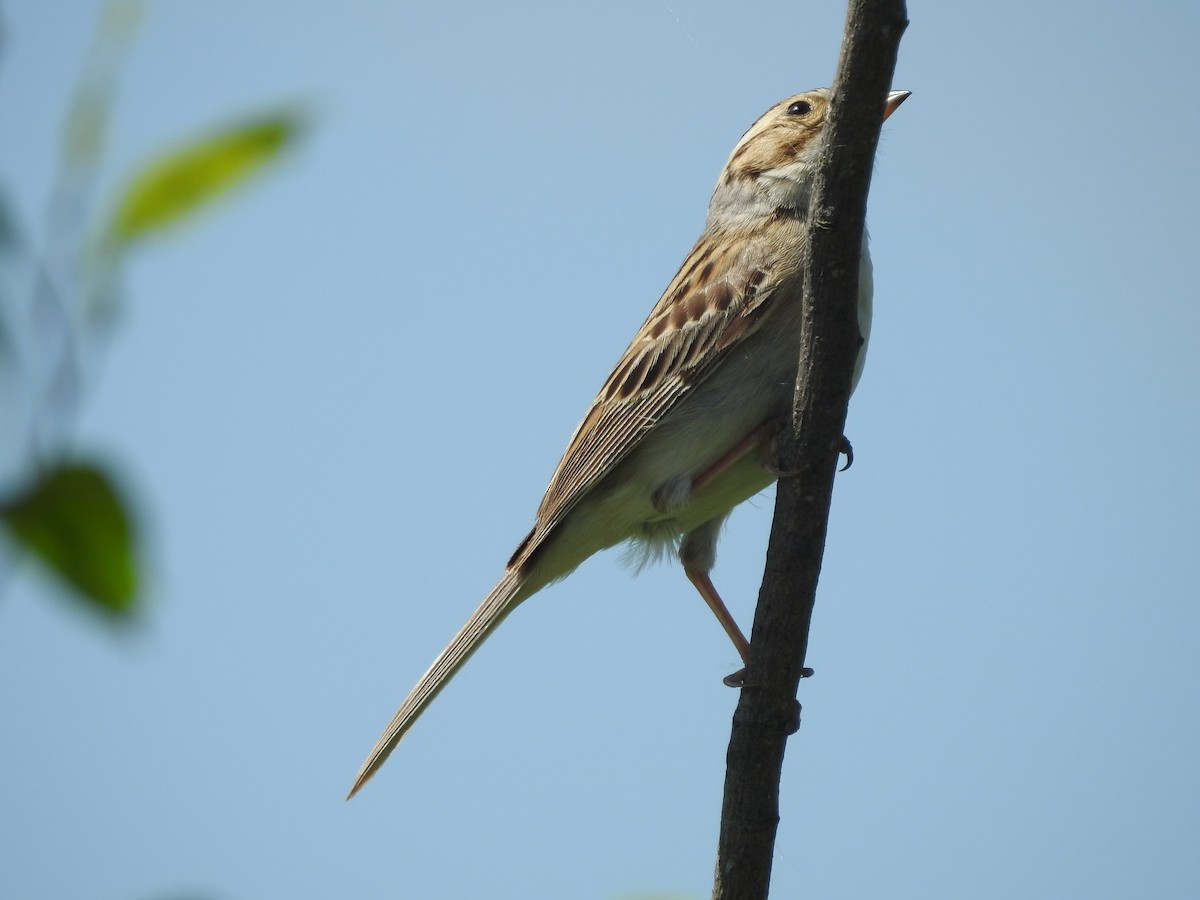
x=760 y=435
x=698 y=553
x=709 y=592
x=766 y=433
x=698 y=550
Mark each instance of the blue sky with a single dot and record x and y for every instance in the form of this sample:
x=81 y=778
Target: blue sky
x=339 y=397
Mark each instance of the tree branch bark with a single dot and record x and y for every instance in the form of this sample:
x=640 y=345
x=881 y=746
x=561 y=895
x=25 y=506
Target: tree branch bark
x=767 y=711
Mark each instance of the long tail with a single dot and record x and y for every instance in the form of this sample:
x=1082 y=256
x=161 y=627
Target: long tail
x=503 y=598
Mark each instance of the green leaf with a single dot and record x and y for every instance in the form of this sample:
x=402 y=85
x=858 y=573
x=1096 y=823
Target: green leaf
x=179 y=183
x=73 y=520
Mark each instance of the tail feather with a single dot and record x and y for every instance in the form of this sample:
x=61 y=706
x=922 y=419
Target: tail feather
x=503 y=598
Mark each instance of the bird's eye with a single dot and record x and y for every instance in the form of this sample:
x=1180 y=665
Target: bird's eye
x=800 y=108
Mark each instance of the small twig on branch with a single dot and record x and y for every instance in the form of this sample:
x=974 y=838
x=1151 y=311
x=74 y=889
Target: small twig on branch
x=767 y=710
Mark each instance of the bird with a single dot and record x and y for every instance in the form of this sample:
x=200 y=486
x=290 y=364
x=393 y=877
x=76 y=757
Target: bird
x=682 y=430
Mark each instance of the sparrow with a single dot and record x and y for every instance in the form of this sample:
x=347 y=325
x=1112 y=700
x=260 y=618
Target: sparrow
x=682 y=431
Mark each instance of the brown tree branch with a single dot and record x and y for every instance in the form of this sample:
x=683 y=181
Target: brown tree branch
x=767 y=711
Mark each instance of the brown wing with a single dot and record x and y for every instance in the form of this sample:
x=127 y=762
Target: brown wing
x=719 y=296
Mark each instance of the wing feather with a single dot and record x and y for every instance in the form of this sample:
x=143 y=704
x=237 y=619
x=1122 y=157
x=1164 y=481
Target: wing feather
x=718 y=298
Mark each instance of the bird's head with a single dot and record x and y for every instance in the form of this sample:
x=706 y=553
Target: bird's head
x=773 y=164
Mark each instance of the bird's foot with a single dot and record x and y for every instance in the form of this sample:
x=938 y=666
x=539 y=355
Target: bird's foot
x=770 y=459
x=738 y=678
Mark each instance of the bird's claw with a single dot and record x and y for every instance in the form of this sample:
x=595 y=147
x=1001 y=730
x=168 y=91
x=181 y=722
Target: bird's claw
x=738 y=678
x=847 y=448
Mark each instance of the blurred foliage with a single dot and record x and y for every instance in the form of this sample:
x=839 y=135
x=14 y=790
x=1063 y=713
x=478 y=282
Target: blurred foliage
x=69 y=515
x=85 y=131
x=72 y=519
x=178 y=184
x=9 y=233
x=10 y=241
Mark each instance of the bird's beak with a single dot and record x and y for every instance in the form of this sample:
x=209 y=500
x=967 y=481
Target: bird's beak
x=895 y=98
